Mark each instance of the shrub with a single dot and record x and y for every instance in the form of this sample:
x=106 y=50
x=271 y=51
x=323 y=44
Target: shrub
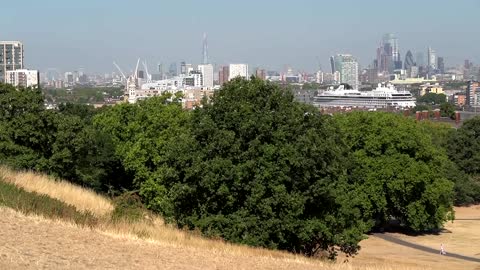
x=128 y=207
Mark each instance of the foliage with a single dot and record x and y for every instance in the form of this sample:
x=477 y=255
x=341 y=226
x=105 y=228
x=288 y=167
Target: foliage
x=140 y=133
x=447 y=110
x=432 y=98
x=252 y=166
x=311 y=86
x=464 y=150
x=83 y=95
x=439 y=132
x=63 y=144
x=31 y=202
x=464 y=146
x=397 y=171
x=258 y=169
x=128 y=207
x=455 y=85
x=420 y=107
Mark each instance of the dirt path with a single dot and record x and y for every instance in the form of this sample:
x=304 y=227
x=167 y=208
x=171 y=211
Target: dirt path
x=404 y=243
x=35 y=243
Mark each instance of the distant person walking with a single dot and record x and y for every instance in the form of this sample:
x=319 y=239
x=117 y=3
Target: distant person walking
x=442 y=250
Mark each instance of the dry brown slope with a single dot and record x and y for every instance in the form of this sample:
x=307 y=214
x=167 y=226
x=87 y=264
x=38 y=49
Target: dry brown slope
x=33 y=243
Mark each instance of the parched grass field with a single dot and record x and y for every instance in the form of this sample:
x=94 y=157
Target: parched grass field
x=32 y=241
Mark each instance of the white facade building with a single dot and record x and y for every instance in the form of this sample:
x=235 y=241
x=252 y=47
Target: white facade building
x=197 y=79
x=207 y=74
x=11 y=57
x=23 y=78
x=238 y=70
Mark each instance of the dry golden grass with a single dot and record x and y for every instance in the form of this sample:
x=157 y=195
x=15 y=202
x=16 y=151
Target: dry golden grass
x=461 y=237
x=153 y=234
x=82 y=199
x=33 y=242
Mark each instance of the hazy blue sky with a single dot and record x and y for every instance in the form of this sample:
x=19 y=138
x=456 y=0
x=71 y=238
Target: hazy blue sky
x=271 y=33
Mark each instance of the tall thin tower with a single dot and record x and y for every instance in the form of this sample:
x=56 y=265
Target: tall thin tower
x=205 y=49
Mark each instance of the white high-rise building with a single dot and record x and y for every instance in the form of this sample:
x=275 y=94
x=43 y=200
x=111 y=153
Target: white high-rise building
x=23 y=78
x=207 y=73
x=11 y=57
x=432 y=59
x=238 y=70
x=197 y=79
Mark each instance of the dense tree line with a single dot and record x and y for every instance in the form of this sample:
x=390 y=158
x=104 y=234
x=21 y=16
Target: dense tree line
x=62 y=143
x=251 y=165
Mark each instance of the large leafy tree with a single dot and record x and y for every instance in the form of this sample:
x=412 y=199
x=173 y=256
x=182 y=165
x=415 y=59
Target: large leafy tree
x=467 y=187
x=259 y=169
x=141 y=133
x=63 y=144
x=397 y=171
x=464 y=146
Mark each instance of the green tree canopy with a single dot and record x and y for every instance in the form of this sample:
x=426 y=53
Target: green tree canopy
x=397 y=171
x=447 y=110
x=464 y=146
x=432 y=99
x=141 y=133
x=59 y=143
x=259 y=169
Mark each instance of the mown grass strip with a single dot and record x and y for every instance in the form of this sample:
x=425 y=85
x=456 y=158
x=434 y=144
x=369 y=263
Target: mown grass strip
x=33 y=203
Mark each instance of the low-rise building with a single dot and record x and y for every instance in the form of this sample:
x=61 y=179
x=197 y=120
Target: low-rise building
x=428 y=88
x=23 y=78
x=459 y=99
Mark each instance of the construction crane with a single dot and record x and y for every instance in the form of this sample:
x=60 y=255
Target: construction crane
x=120 y=70
x=135 y=75
x=149 y=76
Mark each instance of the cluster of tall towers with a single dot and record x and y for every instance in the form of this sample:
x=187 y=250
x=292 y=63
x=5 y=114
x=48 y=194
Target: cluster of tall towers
x=388 y=55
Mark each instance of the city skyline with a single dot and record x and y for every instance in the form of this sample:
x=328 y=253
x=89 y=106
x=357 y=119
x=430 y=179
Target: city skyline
x=302 y=36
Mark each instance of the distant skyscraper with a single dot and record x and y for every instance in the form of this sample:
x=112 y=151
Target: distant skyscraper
x=420 y=57
x=205 y=49
x=173 y=69
x=11 y=57
x=207 y=73
x=183 y=68
x=160 y=71
x=223 y=75
x=332 y=64
x=69 y=78
x=238 y=70
x=432 y=59
x=409 y=62
x=388 y=55
x=347 y=65
x=441 y=65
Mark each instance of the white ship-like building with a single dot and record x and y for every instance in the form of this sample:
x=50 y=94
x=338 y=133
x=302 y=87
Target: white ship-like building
x=384 y=96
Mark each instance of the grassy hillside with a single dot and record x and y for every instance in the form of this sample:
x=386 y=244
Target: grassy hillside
x=50 y=212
